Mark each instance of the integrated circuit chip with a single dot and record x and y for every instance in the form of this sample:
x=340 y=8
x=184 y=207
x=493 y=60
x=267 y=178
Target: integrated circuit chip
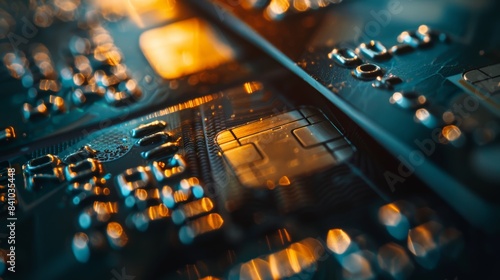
x=275 y=150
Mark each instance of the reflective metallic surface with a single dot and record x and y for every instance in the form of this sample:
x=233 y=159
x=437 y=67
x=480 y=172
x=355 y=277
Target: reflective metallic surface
x=251 y=139
x=184 y=48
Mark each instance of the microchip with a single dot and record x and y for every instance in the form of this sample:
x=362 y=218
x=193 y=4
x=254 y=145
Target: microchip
x=273 y=151
x=482 y=83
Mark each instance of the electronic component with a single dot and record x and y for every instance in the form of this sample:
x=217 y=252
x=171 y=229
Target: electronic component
x=278 y=149
x=166 y=140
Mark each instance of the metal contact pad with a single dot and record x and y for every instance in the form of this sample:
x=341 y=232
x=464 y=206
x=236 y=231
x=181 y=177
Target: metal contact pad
x=482 y=83
x=275 y=150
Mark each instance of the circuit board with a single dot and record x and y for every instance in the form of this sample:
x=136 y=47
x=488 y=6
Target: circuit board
x=166 y=140
x=421 y=77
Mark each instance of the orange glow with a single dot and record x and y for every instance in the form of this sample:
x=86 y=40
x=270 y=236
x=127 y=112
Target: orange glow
x=197 y=207
x=201 y=225
x=193 y=181
x=104 y=209
x=421 y=239
x=280 y=265
x=286 y=263
x=402 y=36
x=277 y=8
x=184 y=48
x=49 y=85
x=141 y=194
x=301 y=5
x=80 y=240
x=422 y=115
x=423 y=29
x=451 y=132
x=214 y=221
x=184 y=184
x=114 y=230
x=158 y=212
x=42 y=108
x=396 y=97
x=284 y=181
x=146 y=13
x=338 y=241
x=108 y=53
x=100 y=37
x=252 y=87
x=422 y=99
x=255 y=269
x=180 y=196
x=301 y=255
x=10 y=132
x=173 y=171
x=179 y=107
x=389 y=215
x=143 y=13
x=284 y=235
x=116 y=234
x=56 y=100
